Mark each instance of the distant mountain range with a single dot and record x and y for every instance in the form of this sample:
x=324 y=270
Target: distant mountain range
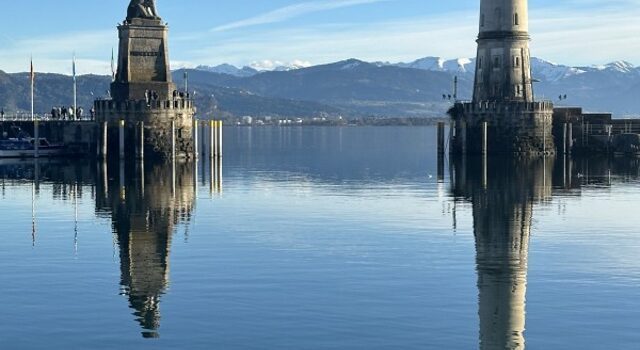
x=350 y=88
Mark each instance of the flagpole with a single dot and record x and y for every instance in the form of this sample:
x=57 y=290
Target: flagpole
x=186 y=81
x=33 y=118
x=75 y=88
x=113 y=67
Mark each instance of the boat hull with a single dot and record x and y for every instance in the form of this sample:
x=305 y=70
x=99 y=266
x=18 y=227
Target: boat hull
x=26 y=153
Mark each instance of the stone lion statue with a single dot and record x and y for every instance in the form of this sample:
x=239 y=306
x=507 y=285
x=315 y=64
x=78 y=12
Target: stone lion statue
x=142 y=9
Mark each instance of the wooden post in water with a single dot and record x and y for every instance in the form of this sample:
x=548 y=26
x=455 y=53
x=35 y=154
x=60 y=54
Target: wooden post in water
x=212 y=142
x=440 y=138
x=570 y=139
x=104 y=145
x=215 y=138
x=544 y=136
x=121 y=139
x=219 y=175
x=203 y=137
x=452 y=128
x=485 y=171
x=195 y=140
x=173 y=139
x=36 y=138
x=440 y=168
x=123 y=189
x=212 y=174
x=220 y=139
x=140 y=150
x=485 y=127
x=564 y=138
x=464 y=138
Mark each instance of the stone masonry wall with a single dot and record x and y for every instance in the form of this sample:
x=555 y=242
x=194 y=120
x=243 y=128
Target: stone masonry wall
x=514 y=128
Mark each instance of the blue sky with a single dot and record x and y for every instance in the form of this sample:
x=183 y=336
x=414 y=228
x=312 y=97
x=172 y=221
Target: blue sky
x=260 y=32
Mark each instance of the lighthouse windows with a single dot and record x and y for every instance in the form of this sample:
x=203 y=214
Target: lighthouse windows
x=516 y=61
x=516 y=20
x=496 y=62
x=482 y=20
x=518 y=90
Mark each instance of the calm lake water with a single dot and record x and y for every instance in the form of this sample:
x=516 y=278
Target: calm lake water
x=321 y=238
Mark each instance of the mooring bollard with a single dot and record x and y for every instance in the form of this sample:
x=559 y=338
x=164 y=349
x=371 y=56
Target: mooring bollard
x=440 y=138
x=36 y=139
x=121 y=139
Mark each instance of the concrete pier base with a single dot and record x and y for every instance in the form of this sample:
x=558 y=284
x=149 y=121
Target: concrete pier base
x=510 y=128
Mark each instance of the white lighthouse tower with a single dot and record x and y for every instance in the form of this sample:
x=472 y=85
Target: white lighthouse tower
x=503 y=116
x=503 y=69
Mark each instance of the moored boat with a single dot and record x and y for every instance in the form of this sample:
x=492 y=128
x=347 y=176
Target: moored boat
x=25 y=148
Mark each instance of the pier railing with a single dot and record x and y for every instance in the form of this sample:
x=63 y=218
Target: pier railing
x=142 y=105
x=26 y=117
x=503 y=106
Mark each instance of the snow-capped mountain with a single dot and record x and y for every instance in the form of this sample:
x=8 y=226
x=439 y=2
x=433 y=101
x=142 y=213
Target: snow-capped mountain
x=552 y=72
x=230 y=70
x=618 y=66
x=279 y=66
x=439 y=64
x=255 y=68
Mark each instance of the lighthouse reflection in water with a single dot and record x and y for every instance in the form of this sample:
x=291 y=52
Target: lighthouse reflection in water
x=502 y=192
x=146 y=202
x=324 y=238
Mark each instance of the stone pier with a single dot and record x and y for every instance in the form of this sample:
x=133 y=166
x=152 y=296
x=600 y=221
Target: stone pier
x=143 y=93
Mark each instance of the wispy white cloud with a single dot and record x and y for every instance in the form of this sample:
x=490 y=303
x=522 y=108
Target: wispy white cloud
x=292 y=11
x=53 y=53
x=564 y=33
